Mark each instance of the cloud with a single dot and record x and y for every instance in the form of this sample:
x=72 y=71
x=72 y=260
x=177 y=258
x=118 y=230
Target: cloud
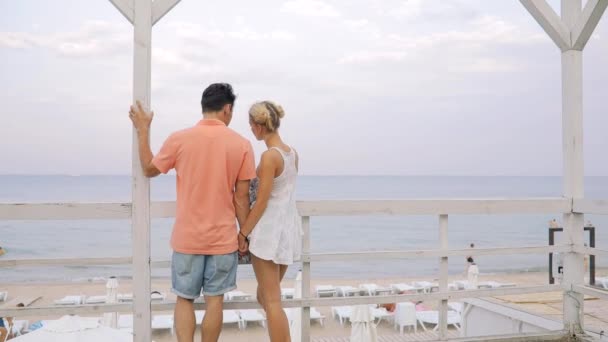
x=429 y=10
x=311 y=8
x=214 y=36
x=485 y=65
x=93 y=38
x=370 y=57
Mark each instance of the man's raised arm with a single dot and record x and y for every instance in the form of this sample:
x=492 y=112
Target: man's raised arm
x=142 y=121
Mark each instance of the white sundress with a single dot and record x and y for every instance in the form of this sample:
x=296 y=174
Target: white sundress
x=278 y=234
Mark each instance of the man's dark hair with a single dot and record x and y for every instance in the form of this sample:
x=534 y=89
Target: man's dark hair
x=216 y=96
x=469 y=259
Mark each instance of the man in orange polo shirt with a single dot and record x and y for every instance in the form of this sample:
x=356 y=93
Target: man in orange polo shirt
x=214 y=165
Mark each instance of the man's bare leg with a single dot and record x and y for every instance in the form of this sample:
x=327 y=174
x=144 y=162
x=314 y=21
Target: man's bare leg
x=214 y=317
x=185 y=322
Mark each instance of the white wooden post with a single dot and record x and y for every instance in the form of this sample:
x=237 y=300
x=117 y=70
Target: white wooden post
x=572 y=137
x=443 y=277
x=142 y=14
x=306 y=279
x=571 y=33
x=140 y=220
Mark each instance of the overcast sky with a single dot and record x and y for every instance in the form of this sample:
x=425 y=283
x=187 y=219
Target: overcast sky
x=454 y=87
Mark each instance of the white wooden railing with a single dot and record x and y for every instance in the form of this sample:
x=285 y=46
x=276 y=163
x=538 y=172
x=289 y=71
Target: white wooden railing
x=441 y=208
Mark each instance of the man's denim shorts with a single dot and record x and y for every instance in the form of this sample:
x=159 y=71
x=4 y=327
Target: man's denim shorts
x=213 y=274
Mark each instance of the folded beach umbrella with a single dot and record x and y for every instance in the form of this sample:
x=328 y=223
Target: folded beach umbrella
x=75 y=329
x=363 y=327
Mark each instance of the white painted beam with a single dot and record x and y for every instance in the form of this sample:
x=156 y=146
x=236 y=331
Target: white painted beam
x=590 y=206
x=590 y=251
x=546 y=17
x=291 y=303
x=587 y=22
x=65 y=262
x=64 y=211
x=160 y=8
x=81 y=211
x=590 y=291
x=125 y=7
x=435 y=207
x=352 y=256
x=433 y=253
x=39 y=311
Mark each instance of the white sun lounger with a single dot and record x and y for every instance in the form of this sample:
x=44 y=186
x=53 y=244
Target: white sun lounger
x=374 y=289
x=432 y=317
x=325 y=291
x=347 y=291
x=199 y=315
x=95 y=300
x=252 y=315
x=128 y=297
x=288 y=293
x=425 y=286
x=3 y=296
x=602 y=281
x=315 y=315
x=494 y=285
x=401 y=287
x=231 y=317
x=237 y=295
x=70 y=300
x=163 y=322
x=380 y=314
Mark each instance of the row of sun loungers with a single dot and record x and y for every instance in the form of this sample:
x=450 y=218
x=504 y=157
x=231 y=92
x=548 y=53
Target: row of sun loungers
x=417 y=286
x=405 y=315
x=121 y=298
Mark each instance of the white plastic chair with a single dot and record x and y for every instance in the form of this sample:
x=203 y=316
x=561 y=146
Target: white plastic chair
x=315 y=315
x=3 y=296
x=405 y=316
x=342 y=313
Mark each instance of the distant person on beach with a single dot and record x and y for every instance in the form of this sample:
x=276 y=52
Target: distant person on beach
x=214 y=166
x=272 y=232
x=466 y=269
x=472 y=273
x=553 y=224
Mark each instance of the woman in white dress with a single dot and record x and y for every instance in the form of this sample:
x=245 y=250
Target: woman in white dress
x=272 y=232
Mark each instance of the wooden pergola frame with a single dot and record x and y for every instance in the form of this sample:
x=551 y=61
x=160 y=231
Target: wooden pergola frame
x=570 y=33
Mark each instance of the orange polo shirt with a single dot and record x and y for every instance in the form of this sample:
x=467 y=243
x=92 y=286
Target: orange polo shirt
x=208 y=158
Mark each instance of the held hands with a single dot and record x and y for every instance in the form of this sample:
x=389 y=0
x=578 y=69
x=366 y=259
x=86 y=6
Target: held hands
x=140 y=117
x=243 y=244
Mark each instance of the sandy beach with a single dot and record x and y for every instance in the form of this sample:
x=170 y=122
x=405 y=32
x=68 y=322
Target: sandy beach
x=548 y=305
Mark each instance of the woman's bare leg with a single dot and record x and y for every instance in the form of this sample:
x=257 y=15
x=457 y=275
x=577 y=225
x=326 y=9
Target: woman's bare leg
x=269 y=275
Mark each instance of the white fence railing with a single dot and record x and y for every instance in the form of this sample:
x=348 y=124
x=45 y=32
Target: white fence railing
x=441 y=208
